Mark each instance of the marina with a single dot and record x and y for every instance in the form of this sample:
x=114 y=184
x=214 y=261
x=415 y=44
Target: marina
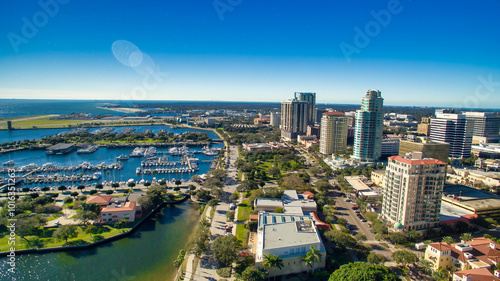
x=60 y=165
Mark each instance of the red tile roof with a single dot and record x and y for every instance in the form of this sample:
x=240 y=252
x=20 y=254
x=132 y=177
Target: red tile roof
x=99 y=199
x=441 y=246
x=334 y=113
x=319 y=223
x=417 y=162
x=129 y=206
x=254 y=217
x=477 y=274
x=308 y=195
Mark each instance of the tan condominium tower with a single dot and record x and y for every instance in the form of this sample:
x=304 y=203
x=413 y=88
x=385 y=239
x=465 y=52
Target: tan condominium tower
x=412 y=191
x=333 y=132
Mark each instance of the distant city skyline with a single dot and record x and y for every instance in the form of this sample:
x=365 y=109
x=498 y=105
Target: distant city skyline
x=252 y=51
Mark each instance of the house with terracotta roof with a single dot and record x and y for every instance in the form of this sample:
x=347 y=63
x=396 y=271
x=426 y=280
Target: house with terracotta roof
x=102 y=200
x=116 y=209
x=118 y=213
x=476 y=274
x=478 y=253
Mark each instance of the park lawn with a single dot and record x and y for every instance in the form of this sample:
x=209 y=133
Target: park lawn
x=241 y=231
x=244 y=211
x=51 y=242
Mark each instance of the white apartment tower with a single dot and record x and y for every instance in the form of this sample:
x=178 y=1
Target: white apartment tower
x=454 y=129
x=294 y=116
x=333 y=133
x=275 y=118
x=369 y=127
x=412 y=191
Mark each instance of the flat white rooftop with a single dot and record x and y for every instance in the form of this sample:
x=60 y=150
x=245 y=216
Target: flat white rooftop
x=290 y=234
x=357 y=183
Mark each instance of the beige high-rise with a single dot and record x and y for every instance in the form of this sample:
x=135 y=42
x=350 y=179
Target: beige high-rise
x=412 y=191
x=333 y=133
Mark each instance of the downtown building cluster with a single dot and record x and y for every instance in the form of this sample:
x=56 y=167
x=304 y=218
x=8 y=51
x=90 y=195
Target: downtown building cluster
x=416 y=166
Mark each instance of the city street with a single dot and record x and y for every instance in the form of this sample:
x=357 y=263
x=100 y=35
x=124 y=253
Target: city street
x=206 y=269
x=344 y=211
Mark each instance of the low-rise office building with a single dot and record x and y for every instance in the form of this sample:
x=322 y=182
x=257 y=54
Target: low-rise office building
x=290 y=238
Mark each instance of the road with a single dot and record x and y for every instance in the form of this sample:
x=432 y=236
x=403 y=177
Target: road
x=206 y=269
x=344 y=211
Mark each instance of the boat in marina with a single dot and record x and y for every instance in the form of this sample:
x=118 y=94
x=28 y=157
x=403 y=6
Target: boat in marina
x=123 y=157
x=96 y=176
x=150 y=152
x=209 y=151
x=9 y=163
x=138 y=152
x=178 y=150
x=88 y=149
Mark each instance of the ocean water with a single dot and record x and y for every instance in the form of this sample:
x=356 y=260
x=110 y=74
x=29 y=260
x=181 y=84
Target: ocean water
x=12 y=108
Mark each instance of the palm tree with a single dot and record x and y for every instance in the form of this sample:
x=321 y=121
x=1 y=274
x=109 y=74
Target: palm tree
x=440 y=275
x=307 y=261
x=426 y=265
x=312 y=257
x=273 y=262
x=448 y=239
x=466 y=236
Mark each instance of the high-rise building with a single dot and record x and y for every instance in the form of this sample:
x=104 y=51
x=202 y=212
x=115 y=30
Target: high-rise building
x=485 y=125
x=454 y=129
x=369 y=127
x=294 y=116
x=310 y=98
x=429 y=149
x=314 y=130
x=275 y=118
x=351 y=118
x=333 y=133
x=318 y=113
x=412 y=191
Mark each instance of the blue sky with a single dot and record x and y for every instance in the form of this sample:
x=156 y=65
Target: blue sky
x=426 y=53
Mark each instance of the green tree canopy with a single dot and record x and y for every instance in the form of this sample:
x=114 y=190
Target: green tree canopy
x=64 y=232
x=253 y=274
x=341 y=239
x=404 y=257
x=375 y=258
x=225 y=249
x=363 y=271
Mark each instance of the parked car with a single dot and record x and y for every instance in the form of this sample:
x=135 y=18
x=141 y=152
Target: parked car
x=232 y=206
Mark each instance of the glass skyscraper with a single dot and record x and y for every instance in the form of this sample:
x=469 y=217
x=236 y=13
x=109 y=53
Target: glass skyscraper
x=369 y=127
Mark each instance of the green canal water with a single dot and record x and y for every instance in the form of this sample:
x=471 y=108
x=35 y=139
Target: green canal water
x=147 y=254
